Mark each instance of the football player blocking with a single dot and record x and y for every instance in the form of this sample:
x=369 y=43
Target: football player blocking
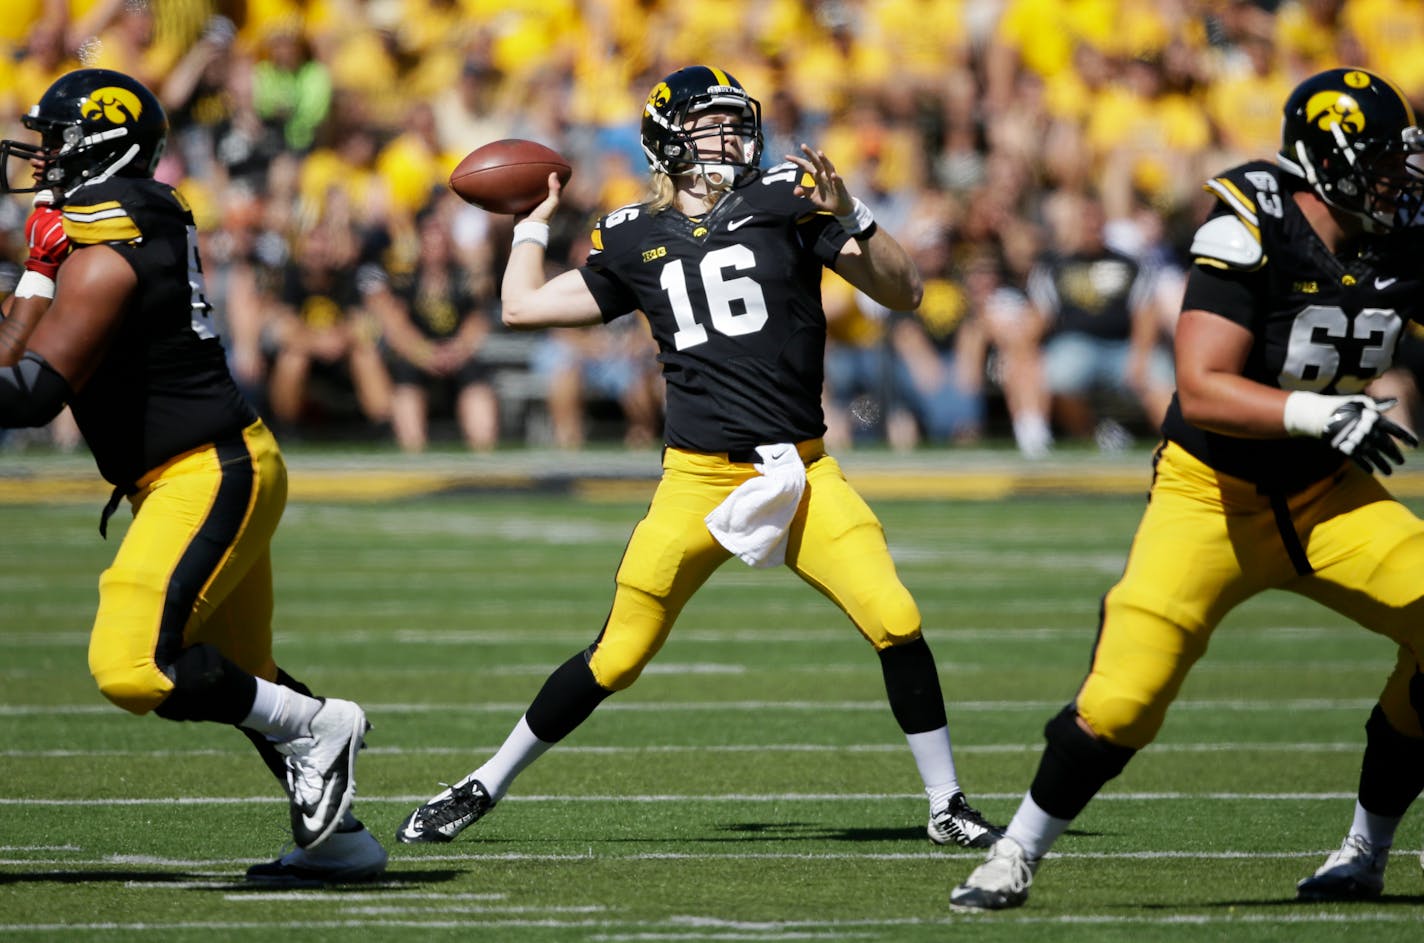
x=110 y=317
x=725 y=260
x=1304 y=275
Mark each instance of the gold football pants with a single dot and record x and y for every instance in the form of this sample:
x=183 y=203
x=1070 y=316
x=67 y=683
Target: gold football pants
x=835 y=543
x=194 y=567
x=1208 y=542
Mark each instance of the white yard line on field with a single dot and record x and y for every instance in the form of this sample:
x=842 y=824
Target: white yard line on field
x=529 y=635
x=710 y=928
x=725 y=797
x=664 y=707
x=757 y=748
x=381 y=889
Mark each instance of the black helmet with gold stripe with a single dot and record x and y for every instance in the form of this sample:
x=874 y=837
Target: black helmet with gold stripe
x=670 y=142
x=1353 y=137
x=93 y=124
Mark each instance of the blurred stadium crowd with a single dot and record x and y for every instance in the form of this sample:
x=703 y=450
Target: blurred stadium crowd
x=1043 y=160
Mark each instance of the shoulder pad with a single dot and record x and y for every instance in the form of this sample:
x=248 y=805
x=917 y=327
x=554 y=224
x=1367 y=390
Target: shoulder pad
x=617 y=226
x=774 y=190
x=98 y=221
x=122 y=210
x=1226 y=241
x=1256 y=199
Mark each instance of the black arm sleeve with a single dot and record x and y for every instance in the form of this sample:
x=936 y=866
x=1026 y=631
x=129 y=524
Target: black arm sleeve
x=31 y=393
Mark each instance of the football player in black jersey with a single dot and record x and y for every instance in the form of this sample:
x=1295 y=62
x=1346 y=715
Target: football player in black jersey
x=121 y=331
x=1304 y=275
x=725 y=260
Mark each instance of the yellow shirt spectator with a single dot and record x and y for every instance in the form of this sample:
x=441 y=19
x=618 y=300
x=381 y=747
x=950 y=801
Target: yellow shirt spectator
x=347 y=177
x=527 y=35
x=1245 y=109
x=922 y=37
x=1392 y=34
x=1044 y=32
x=412 y=171
x=20 y=17
x=1305 y=40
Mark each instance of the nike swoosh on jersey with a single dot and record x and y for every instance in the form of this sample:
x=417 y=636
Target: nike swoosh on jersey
x=738 y=223
x=1383 y=283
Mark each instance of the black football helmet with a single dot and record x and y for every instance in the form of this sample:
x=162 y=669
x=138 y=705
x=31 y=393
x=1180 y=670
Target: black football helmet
x=672 y=149
x=93 y=124
x=1353 y=137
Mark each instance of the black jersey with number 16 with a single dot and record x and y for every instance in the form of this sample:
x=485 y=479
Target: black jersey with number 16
x=734 y=301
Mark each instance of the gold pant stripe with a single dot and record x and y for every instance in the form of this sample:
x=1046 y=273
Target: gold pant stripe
x=1208 y=542
x=193 y=567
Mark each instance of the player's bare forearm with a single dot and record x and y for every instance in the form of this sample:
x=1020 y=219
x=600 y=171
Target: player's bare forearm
x=880 y=267
x=19 y=323
x=529 y=303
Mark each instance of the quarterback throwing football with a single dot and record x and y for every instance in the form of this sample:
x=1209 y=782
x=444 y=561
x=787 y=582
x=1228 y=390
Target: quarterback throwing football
x=725 y=260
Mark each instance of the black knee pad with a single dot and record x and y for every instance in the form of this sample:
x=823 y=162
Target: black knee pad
x=1392 y=771
x=1416 y=695
x=912 y=686
x=206 y=686
x=1074 y=766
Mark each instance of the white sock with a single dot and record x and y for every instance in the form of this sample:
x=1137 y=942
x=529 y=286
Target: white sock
x=1034 y=829
x=1032 y=434
x=935 y=760
x=1378 y=830
x=520 y=749
x=280 y=713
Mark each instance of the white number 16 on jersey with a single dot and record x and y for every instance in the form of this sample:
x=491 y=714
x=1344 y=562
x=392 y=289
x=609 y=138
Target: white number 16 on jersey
x=721 y=293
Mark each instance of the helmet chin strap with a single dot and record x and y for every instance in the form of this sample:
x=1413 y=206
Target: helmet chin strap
x=718 y=176
x=119 y=164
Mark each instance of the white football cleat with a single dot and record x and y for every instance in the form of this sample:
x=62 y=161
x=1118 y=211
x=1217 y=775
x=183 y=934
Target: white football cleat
x=344 y=858
x=321 y=770
x=1001 y=882
x=1355 y=872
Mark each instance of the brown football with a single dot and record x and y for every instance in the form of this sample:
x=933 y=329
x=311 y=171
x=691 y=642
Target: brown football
x=508 y=176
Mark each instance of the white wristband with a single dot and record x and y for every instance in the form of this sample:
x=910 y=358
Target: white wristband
x=1307 y=413
x=34 y=285
x=531 y=230
x=858 y=220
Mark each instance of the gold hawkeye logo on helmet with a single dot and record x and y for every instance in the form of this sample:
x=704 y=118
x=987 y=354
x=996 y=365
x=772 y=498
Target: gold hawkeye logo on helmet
x=1329 y=108
x=659 y=96
x=113 y=104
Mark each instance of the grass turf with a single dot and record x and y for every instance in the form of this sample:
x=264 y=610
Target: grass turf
x=752 y=786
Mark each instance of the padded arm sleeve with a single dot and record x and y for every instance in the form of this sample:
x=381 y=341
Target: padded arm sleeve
x=31 y=393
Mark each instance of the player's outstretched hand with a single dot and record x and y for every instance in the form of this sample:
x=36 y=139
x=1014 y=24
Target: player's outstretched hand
x=1353 y=425
x=1359 y=429
x=830 y=193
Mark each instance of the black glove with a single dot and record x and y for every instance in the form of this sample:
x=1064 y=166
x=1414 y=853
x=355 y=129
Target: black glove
x=1359 y=429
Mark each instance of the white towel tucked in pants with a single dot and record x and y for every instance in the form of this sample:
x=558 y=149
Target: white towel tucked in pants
x=753 y=520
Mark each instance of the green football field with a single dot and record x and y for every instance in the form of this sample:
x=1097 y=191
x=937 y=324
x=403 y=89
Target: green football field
x=752 y=786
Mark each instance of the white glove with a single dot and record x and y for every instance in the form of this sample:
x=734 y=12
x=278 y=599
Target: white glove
x=1353 y=425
